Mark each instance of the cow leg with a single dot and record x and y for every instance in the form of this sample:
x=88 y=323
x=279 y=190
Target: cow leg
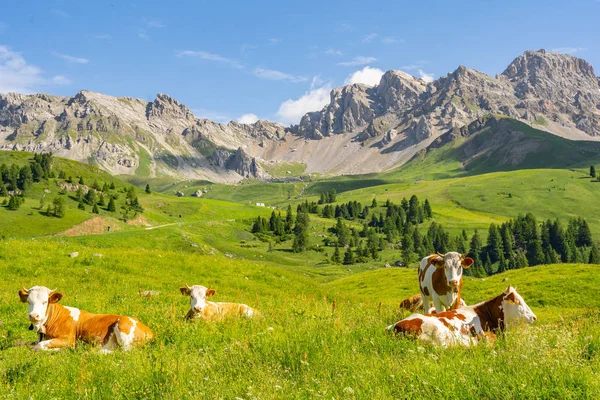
x=52 y=344
x=439 y=307
x=125 y=332
x=110 y=344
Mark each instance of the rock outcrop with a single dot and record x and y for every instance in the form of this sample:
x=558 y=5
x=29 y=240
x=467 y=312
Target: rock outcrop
x=362 y=128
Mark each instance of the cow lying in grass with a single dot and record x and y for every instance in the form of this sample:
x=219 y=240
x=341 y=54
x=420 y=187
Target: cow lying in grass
x=208 y=310
x=415 y=303
x=468 y=325
x=440 y=279
x=60 y=326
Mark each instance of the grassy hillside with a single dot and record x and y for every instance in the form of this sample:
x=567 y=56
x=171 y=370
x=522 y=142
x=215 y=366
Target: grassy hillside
x=321 y=329
x=301 y=346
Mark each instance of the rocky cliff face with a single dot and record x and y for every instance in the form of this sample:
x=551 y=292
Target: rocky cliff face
x=128 y=136
x=362 y=129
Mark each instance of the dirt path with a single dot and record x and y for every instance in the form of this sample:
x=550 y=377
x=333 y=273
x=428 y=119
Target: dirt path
x=160 y=226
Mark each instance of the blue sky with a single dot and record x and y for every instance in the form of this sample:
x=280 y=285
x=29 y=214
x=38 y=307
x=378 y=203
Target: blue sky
x=271 y=59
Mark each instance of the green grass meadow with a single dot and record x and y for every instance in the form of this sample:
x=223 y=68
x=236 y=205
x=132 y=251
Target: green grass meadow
x=321 y=329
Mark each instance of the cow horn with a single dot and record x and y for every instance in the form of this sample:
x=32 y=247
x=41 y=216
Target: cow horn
x=440 y=254
x=187 y=286
x=53 y=290
x=25 y=290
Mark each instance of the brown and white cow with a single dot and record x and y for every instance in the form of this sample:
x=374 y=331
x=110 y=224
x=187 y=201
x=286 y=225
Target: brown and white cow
x=60 y=326
x=440 y=279
x=468 y=325
x=208 y=310
x=414 y=303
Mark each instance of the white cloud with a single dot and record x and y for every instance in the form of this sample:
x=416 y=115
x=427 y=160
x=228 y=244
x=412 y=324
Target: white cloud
x=568 y=50
x=71 y=59
x=209 y=57
x=368 y=75
x=368 y=38
x=61 y=80
x=427 y=77
x=17 y=75
x=333 y=52
x=274 y=75
x=291 y=111
x=248 y=119
x=360 y=60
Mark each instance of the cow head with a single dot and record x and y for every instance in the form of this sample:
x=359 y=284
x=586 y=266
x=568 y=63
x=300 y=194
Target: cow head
x=453 y=264
x=515 y=309
x=198 y=295
x=38 y=298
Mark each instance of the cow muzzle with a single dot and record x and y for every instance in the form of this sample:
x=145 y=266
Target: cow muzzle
x=35 y=317
x=453 y=285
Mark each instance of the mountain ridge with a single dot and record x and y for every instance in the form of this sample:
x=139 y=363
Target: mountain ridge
x=362 y=129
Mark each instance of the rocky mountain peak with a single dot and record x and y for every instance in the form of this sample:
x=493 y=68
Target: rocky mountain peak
x=550 y=75
x=399 y=90
x=164 y=104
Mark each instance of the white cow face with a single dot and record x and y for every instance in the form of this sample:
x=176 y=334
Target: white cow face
x=198 y=295
x=38 y=298
x=453 y=264
x=515 y=308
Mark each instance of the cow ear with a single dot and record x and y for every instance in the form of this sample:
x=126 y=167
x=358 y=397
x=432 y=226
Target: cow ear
x=210 y=292
x=55 y=297
x=437 y=261
x=467 y=262
x=185 y=291
x=23 y=295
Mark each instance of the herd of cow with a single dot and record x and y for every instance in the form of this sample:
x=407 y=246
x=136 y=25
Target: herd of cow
x=449 y=322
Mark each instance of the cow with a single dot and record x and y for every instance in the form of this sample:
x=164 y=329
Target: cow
x=60 y=326
x=414 y=303
x=208 y=310
x=468 y=325
x=440 y=279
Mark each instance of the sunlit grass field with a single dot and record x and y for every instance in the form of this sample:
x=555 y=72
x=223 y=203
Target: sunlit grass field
x=321 y=329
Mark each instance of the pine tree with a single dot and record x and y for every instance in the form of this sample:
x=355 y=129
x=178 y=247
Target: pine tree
x=289 y=220
x=494 y=244
x=348 y=257
x=336 y=258
x=111 y=205
x=3 y=191
x=95 y=209
x=81 y=181
x=14 y=203
x=59 y=207
x=427 y=209
x=81 y=206
x=42 y=202
x=101 y=202
x=487 y=264
x=592 y=171
x=584 y=235
x=300 y=233
x=374 y=203
x=148 y=191
x=535 y=254
x=112 y=186
x=594 y=255
x=271 y=248
x=475 y=254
